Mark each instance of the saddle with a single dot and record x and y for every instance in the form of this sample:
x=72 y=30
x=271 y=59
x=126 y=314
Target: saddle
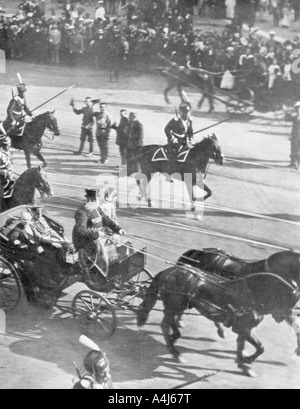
x=162 y=154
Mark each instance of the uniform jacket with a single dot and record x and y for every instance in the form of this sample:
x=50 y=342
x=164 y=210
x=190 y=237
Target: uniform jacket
x=104 y=123
x=16 y=108
x=89 y=223
x=6 y=166
x=136 y=135
x=179 y=131
x=123 y=132
x=88 y=116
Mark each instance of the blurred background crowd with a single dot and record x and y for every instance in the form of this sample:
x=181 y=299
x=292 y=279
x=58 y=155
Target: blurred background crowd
x=131 y=34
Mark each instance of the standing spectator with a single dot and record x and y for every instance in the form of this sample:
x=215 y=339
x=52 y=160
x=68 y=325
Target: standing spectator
x=122 y=135
x=276 y=12
x=76 y=46
x=55 y=41
x=100 y=12
x=135 y=141
x=296 y=7
x=87 y=125
x=294 y=117
x=104 y=124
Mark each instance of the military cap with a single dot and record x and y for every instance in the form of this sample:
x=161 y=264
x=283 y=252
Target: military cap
x=91 y=192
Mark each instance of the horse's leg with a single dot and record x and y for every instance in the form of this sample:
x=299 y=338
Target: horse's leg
x=28 y=158
x=244 y=363
x=39 y=155
x=166 y=93
x=221 y=331
x=168 y=324
x=208 y=192
x=254 y=341
x=180 y=92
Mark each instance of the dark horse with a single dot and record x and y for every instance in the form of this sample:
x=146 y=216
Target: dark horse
x=196 y=163
x=24 y=189
x=238 y=304
x=286 y=264
x=31 y=140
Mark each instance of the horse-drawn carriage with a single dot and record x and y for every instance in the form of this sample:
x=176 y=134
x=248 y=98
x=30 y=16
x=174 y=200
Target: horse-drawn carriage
x=248 y=91
x=124 y=286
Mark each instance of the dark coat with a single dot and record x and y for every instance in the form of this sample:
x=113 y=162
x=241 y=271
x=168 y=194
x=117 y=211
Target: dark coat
x=88 y=225
x=136 y=135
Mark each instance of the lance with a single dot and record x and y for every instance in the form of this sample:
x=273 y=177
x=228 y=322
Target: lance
x=212 y=126
x=56 y=96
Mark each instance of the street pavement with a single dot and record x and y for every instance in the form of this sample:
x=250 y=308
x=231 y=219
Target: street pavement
x=254 y=212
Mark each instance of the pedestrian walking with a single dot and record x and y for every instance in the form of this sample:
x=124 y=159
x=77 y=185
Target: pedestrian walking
x=87 y=125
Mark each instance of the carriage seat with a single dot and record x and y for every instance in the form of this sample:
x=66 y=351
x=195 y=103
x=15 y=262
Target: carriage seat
x=7 y=229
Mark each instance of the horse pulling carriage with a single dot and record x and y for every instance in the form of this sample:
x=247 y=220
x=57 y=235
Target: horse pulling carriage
x=247 y=92
x=94 y=309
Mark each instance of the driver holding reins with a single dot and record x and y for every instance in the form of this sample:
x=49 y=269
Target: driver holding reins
x=180 y=133
x=16 y=111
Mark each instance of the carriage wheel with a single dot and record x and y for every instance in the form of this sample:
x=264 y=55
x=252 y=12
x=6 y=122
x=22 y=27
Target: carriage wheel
x=130 y=294
x=95 y=315
x=10 y=287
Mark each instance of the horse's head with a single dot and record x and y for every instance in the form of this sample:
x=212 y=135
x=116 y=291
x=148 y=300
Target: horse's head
x=40 y=181
x=211 y=147
x=51 y=123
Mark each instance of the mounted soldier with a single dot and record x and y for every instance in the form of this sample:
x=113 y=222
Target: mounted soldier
x=6 y=170
x=16 y=111
x=179 y=132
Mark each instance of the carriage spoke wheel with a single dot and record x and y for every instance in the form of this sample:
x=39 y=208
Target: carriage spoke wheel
x=10 y=287
x=95 y=315
x=130 y=294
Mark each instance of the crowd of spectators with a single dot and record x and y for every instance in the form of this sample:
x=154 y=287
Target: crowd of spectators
x=147 y=31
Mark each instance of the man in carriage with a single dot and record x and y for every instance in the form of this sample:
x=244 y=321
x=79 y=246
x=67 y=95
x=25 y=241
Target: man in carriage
x=179 y=132
x=89 y=233
x=16 y=112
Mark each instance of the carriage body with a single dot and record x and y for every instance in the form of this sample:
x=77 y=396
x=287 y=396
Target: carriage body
x=124 y=286
x=247 y=93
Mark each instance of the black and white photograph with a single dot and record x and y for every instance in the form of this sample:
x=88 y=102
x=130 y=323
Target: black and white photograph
x=149 y=197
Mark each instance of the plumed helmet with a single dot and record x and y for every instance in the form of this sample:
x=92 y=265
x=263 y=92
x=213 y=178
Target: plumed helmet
x=185 y=107
x=96 y=363
x=21 y=88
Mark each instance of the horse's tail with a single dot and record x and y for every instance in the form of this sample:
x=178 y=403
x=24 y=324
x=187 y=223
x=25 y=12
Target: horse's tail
x=149 y=301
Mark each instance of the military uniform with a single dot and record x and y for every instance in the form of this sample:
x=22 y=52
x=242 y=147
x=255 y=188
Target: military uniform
x=16 y=111
x=6 y=173
x=86 y=127
x=179 y=132
x=90 y=223
x=104 y=124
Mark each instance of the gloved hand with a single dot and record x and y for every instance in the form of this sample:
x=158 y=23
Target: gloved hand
x=122 y=232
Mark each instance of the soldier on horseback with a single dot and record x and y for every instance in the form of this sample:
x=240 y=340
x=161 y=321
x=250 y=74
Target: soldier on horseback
x=16 y=112
x=6 y=169
x=179 y=132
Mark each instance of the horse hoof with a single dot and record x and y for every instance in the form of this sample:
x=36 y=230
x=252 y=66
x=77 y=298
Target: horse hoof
x=179 y=359
x=222 y=334
x=248 y=371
